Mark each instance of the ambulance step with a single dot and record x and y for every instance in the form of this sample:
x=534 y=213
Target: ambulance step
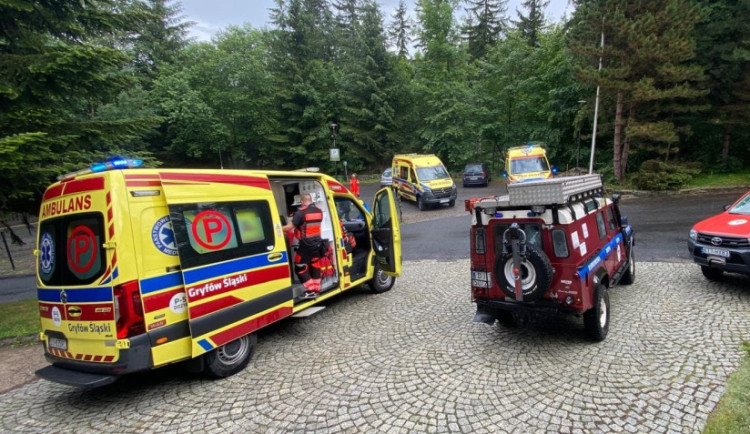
x=83 y=380
x=308 y=312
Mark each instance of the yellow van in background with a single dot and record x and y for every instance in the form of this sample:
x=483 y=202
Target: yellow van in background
x=527 y=163
x=141 y=268
x=423 y=179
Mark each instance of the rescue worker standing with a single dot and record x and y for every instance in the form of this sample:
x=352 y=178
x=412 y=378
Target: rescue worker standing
x=354 y=185
x=306 y=224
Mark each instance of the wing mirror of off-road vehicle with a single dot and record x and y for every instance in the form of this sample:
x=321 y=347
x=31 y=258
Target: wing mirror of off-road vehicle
x=624 y=220
x=616 y=197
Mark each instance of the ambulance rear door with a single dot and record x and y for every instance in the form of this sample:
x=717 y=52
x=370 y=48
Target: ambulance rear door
x=386 y=232
x=232 y=254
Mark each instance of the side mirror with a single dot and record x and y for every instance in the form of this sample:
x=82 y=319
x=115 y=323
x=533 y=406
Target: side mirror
x=616 y=197
x=623 y=221
x=726 y=207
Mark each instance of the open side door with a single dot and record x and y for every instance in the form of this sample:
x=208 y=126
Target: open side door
x=233 y=257
x=386 y=232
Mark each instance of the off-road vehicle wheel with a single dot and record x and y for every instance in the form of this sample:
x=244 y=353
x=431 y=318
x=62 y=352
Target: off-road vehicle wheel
x=596 y=319
x=231 y=357
x=711 y=273
x=629 y=276
x=536 y=274
x=381 y=282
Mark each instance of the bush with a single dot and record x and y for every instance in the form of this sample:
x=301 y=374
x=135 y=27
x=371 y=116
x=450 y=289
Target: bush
x=659 y=175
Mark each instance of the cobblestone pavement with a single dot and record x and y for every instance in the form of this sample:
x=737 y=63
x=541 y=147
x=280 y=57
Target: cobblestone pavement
x=411 y=360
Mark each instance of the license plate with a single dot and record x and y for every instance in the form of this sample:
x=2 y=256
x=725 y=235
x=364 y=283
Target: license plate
x=443 y=200
x=716 y=252
x=58 y=343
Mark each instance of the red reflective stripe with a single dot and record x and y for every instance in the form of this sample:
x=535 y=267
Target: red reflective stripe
x=84 y=185
x=313 y=216
x=52 y=192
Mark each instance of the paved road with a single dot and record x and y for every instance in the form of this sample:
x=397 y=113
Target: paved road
x=411 y=360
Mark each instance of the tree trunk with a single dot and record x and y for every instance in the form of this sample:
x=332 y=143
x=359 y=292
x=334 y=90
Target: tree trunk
x=727 y=139
x=617 y=151
x=626 y=146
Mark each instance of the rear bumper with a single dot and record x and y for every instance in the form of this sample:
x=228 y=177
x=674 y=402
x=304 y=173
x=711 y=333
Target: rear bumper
x=480 y=181
x=88 y=375
x=491 y=307
x=737 y=262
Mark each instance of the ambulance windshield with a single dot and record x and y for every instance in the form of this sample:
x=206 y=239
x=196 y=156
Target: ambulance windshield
x=529 y=164
x=432 y=173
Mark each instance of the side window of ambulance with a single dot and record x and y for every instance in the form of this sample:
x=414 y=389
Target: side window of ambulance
x=70 y=249
x=214 y=232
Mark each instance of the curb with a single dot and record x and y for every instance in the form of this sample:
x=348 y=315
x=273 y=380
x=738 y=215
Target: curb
x=685 y=192
x=19 y=341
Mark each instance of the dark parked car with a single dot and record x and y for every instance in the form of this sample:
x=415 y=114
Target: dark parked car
x=477 y=174
x=385 y=178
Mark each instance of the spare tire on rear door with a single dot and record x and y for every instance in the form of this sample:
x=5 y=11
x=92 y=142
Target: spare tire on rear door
x=536 y=274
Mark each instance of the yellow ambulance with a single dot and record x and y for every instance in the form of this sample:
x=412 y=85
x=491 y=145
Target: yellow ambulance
x=140 y=268
x=527 y=163
x=422 y=178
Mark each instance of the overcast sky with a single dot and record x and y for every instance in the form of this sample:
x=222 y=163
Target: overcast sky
x=211 y=16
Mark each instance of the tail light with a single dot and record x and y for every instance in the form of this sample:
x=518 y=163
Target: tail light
x=128 y=310
x=482 y=174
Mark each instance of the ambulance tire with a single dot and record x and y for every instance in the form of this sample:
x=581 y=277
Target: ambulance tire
x=381 y=282
x=451 y=204
x=231 y=357
x=420 y=203
x=536 y=274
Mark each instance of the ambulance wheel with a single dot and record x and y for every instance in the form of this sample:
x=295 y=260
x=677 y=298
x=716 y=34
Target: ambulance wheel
x=231 y=357
x=420 y=203
x=596 y=319
x=381 y=282
x=535 y=274
x=452 y=203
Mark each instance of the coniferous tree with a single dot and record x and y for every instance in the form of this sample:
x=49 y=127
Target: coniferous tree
x=648 y=66
x=486 y=22
x=400 y=30
x=55 y=71
x=532 y=24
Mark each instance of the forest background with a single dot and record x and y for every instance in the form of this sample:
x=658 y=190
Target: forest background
x=83 y=80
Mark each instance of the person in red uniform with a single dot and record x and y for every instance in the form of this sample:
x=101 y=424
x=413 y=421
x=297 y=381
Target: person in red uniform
x=306 y=224
x=354 y=185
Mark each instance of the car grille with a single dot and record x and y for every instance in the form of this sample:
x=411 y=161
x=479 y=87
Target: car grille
x=442 y=192
x=725 y=241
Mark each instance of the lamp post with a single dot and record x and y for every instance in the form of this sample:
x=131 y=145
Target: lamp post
x=578 y=151
x=334 y=127
x=596 y=114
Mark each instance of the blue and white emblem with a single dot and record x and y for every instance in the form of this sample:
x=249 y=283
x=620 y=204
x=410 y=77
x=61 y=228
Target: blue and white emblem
x=163 y=236
x=46 y=254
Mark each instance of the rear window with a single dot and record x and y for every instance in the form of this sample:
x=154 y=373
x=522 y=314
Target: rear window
x=533 y=233
x=70 y=250
x=473 y=168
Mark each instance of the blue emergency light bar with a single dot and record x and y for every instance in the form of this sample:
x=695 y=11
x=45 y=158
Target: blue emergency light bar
x=112 y=163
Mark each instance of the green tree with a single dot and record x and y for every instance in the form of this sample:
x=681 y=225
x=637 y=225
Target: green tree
x=486 y=21
x=533 y=23
x=400 y=30
x=55 y=74
x=648 y=66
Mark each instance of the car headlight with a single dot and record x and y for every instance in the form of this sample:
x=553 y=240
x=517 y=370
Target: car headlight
x=693 y=234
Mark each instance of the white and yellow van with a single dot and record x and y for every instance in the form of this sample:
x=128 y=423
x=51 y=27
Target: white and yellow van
x=140 y=268
x=527 y=163
x=423 y=179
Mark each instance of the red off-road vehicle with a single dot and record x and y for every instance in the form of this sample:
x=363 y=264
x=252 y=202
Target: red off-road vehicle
x=549 y=246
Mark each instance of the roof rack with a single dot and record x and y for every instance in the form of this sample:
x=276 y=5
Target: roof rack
x=553 y=191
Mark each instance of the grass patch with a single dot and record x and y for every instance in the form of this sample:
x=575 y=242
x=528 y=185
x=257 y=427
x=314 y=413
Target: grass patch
x=19 y=318
x=721 y=180
x=732 y=414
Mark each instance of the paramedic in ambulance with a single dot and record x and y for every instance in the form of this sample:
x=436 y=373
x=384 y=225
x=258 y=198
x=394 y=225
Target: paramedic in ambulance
x=354 y=185
x=306 y=224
